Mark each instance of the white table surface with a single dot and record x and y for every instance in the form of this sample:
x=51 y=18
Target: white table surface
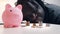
x=53 y=29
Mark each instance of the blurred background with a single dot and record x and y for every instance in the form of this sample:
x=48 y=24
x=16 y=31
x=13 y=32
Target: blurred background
x=2 y=6
x=12 y=3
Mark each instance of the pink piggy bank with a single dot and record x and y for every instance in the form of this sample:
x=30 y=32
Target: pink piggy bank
x=12 y=17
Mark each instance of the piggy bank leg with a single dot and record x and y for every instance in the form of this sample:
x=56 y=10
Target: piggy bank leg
x=10 y=26
x=14 y=26
x=7 y=26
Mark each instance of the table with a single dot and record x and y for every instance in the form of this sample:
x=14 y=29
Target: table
x=53 y=29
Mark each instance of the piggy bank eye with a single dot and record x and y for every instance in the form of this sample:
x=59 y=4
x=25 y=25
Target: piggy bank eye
x=10 y=10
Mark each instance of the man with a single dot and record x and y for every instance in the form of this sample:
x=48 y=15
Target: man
x=34 y=9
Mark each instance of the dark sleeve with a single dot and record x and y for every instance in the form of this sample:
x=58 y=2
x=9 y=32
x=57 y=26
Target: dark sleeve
x=57 y=20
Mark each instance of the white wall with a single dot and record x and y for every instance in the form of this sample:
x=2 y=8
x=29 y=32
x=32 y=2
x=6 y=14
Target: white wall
x=56 y=2
x=2 y=6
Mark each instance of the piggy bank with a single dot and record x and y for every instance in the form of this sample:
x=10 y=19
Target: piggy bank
x=12 y=16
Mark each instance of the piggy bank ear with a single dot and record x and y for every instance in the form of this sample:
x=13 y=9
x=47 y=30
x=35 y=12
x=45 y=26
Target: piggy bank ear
x=19 y=6
x=8 y=6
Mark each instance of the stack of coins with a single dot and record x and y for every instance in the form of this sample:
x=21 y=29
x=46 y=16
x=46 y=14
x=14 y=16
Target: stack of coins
x=47 y=25
x=28 y=23
x=34 y=25
x=40 y=23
